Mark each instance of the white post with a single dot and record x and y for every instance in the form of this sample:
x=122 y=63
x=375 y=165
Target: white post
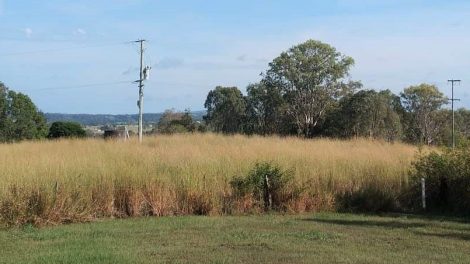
x=423 y=192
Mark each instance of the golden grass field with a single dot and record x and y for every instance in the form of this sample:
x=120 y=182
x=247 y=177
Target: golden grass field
x=50 y=182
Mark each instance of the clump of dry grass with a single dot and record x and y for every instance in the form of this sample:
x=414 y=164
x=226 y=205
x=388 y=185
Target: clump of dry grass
x=79 y=180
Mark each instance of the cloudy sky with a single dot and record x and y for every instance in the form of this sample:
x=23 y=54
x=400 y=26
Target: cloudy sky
x=76 y=56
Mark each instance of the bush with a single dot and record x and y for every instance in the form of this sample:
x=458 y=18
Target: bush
x=66 y=129
x=368 y=199
x=266 y=183
x=173 y=128
x=447 y=177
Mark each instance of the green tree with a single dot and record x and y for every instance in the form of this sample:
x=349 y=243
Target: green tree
x=462 y=117
x=392 y=127
x=310 y=76
x=3 y=112
x=265 y=110
x=187 y=121
x=176 y=122
x=19 y=117
x=226 y=108
x=169 y=118
x=62 y=129
x=367 y=113
x=422 y=103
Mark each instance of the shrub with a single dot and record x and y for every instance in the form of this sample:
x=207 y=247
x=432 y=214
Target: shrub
x=173 y=128
x=173 y=122
x=266 y=183
x=447 y=177
x=66 y=130
x=368 y=199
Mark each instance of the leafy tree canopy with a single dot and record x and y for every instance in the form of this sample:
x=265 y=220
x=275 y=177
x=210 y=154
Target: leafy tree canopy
x=62 y=129
x=422 y=103
x=226 y=108
x=310 y=76
x=19 y=117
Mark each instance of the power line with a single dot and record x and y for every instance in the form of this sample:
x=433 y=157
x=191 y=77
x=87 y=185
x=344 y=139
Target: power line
x=77 y=86
x=112 y=83
x=61 y=49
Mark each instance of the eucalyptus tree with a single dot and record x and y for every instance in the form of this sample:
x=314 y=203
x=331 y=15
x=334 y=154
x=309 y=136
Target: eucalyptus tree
x=422 y=104
x=311 y=77
x=265 y=110
x=226 y=110
x=367 y=113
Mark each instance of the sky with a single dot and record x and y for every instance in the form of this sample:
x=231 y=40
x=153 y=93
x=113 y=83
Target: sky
x=78 y=56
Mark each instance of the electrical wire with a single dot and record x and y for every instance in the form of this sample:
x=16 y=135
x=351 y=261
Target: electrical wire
x=77 y=86
x=61 y=49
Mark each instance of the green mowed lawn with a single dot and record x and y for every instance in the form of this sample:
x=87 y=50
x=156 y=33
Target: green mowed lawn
x=313 y=238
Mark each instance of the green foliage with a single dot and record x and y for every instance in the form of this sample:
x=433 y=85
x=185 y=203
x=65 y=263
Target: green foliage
x=174 y=128
x=201 y=128
x=462 y=127
x=366 y=113
x=369 y=199
x=422 y=104
x=310 y=76
x=66 y=130
x=19 y=117
x=266 y=183
x=447 y=177
x=266 y=110
x=173 y=122
x=226 y=108
x=306 y=91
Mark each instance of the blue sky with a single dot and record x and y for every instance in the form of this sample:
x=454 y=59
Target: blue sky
x=195 y=45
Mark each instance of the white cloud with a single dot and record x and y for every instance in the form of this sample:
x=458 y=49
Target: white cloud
x=80 y=32
x=28 y=32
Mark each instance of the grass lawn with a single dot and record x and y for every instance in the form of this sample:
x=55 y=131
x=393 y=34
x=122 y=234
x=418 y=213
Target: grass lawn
x=312 y=238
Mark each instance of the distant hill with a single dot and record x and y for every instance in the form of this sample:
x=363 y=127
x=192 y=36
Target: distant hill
x=104 y=119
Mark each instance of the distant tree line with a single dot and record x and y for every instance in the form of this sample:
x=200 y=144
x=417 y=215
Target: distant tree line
x=111 y=120
x=307 y=91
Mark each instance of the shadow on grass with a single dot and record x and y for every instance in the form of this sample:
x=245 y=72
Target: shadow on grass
x=449 y=235
x=367 y=223
x=431 y=217
x=431 y=228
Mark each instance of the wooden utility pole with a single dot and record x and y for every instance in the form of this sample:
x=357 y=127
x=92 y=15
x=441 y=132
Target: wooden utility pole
x=453 y=113
x=140 y=103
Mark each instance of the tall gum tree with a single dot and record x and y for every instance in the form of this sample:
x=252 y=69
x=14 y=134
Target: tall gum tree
x=311 y=77
x=226 y=107
x=422 y=103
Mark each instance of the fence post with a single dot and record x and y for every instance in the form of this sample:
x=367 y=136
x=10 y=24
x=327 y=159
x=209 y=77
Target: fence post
x=423 y=192
x=268 y=199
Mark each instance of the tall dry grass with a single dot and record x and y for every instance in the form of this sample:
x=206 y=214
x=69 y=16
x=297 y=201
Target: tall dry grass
x=78 y=180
